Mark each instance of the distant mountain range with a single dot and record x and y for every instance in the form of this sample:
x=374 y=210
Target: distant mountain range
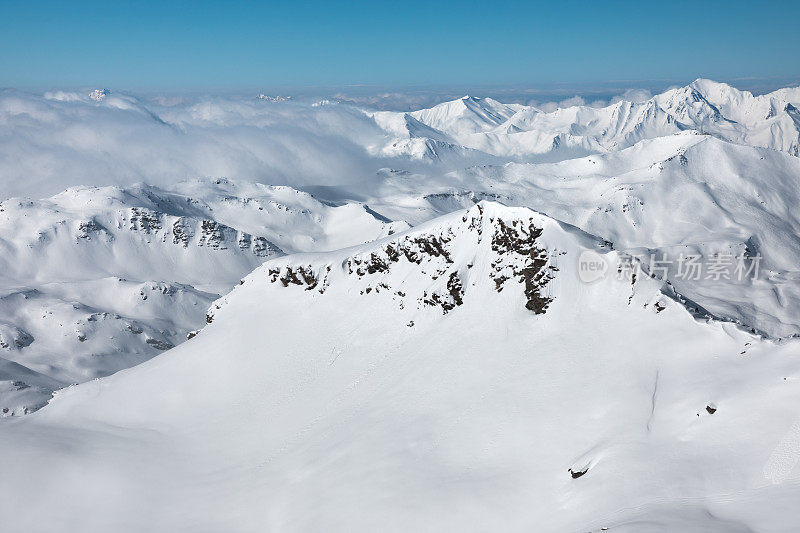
x=771 y=121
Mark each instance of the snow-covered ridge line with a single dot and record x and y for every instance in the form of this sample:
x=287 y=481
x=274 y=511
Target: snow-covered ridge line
x=434 y=252
x=302 y=362
x=770 y=120
x=429 y=245
x=686 y=193
x=51 y=142
x=343 y=370
x=97 y=279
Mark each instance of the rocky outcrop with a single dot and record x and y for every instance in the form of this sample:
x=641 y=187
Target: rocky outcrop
x=432 y=258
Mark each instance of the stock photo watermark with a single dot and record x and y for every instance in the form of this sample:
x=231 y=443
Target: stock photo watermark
x=593 y=266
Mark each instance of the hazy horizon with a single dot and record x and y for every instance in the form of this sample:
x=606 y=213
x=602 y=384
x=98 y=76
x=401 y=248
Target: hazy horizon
x=413 y=97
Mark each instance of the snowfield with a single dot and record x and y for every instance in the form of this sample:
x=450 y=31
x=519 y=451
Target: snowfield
x=391 y=322
x=97 y=279
x=392 y=386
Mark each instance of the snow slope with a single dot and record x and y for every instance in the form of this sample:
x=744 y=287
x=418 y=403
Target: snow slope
x=457 y=376
x=367 y=375
x=679 y=194
x=652 y=186
x=94 y=280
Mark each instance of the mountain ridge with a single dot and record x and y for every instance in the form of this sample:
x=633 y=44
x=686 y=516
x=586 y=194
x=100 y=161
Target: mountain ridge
x=137 y=268
x=521 y=131
x=309 y=411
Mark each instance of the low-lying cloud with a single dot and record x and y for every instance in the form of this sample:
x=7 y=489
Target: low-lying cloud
x=59 y=139
x=63 y=139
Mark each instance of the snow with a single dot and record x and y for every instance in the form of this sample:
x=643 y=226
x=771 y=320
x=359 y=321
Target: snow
x=683 y=193
x=380 y=321
x=293 y=414
x=138 y=267
x=526 y=132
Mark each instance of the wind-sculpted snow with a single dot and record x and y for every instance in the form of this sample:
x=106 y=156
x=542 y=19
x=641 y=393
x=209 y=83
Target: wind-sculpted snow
x=310 y=403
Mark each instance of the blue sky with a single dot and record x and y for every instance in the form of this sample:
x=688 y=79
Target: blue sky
x=203 y=44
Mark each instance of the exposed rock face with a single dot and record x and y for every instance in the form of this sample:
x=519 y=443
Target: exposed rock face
x=577 y=473
x=182 y=232
x=144 y=220
x=91 y=229
x=185 y=231
x=159 y=345
x=14 y=338
x=299 y=275
x=436 y=257
x=516 y=239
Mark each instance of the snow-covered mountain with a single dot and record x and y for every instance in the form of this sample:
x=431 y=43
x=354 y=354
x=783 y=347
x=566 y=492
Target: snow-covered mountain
x=477 y=316
x=61 y=139
x=457 y=376
x=685 y=194
x=770 y=120
x=97 y=279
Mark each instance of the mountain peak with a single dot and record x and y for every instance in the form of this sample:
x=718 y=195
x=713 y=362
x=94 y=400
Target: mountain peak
x=487 y=249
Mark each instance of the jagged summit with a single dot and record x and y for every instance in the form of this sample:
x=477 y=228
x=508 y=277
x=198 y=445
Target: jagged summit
x=465 y=115
x=447 y=257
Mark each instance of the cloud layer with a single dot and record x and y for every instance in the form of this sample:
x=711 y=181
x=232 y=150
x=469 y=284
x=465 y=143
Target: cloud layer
x=62 y=139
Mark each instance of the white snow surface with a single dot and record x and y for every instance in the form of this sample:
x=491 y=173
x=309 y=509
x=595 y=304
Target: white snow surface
x=364 y=396
x=771 y=120
x=387 y=329
x=97 y=279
